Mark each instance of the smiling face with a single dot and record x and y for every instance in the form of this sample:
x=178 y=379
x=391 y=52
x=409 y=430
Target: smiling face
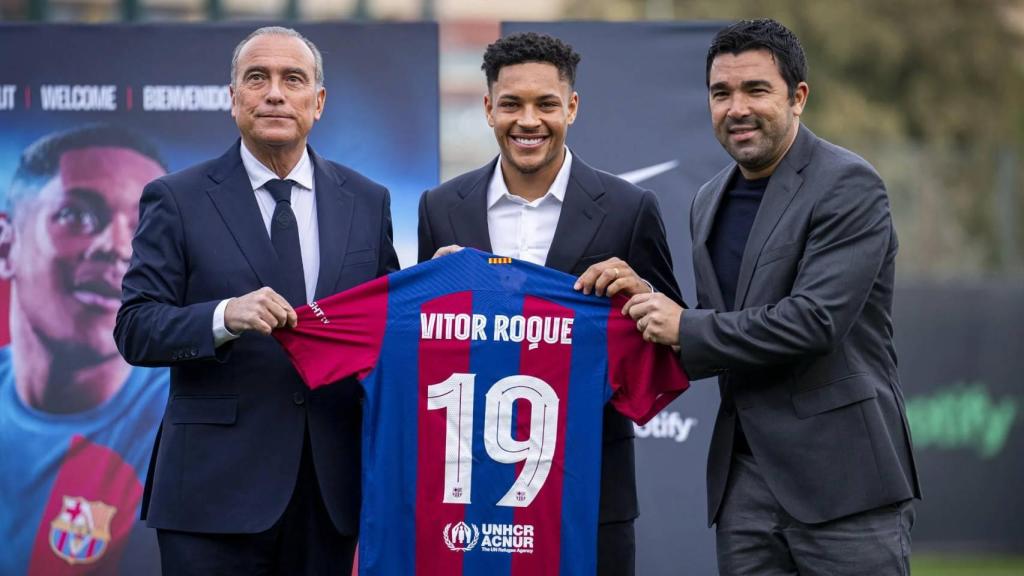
x=274 y=97
x=530 y=108
x=67 y=247
x=752 y=113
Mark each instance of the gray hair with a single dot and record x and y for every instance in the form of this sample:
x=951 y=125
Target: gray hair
x=318 y=61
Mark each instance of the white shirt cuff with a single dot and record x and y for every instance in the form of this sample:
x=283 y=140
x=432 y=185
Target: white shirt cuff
x=221 y=334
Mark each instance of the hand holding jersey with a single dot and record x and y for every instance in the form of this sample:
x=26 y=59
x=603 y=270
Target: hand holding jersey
x=657 y=317
x=261 y=311
x=446 y=250
x=611 y=277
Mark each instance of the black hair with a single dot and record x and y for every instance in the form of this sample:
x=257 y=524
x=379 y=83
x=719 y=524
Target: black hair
x=530 y=47
x=40 y=161
x=762 y=34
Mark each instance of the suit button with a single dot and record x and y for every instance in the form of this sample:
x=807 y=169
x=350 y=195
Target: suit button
x=299 y=398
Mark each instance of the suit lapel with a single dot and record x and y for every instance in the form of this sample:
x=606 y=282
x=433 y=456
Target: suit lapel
x=468 y=219
x=703 y=221
x=580 y=219
x=785 y=182
x=334 y=207
x=234 y=199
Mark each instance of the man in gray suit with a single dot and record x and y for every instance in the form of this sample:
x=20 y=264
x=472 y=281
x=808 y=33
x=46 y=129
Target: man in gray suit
x=810 y=468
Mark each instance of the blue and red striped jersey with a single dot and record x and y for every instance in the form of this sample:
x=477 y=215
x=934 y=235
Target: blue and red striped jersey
x=485 y=380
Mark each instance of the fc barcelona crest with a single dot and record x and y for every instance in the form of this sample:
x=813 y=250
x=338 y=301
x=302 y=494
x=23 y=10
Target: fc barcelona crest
x=80 y=533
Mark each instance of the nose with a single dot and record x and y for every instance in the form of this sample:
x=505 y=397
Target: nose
x=739 y=106
x=115 y=241
x=274 y=93
x=529 y=119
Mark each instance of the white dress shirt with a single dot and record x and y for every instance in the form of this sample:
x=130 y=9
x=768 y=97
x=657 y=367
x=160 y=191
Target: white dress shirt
x=521 y=229
x=303 y=205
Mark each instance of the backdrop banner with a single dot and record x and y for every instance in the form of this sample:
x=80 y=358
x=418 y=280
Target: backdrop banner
x=960 y=358
x=88 y=114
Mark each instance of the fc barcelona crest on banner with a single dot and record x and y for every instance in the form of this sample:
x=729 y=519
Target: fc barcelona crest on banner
x=80 y=533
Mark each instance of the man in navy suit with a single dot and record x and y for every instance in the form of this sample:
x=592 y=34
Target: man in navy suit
x=252 y=473
x=539 y=202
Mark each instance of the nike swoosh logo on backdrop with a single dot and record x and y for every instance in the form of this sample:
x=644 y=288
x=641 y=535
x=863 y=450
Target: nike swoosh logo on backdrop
x=637 y=176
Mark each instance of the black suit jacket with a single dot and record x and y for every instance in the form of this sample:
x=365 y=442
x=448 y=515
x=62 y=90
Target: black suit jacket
x=227 y=455
x=806 y=361
x=602 y=216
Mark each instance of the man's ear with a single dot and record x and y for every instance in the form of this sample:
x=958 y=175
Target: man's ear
x=6 y=245
x=489 y=109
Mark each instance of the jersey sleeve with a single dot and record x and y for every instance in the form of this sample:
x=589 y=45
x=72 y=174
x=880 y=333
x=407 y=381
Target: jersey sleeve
x=339 y=336
x=644 y=377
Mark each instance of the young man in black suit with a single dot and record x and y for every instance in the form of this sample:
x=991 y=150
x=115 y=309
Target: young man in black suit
x=539 y=202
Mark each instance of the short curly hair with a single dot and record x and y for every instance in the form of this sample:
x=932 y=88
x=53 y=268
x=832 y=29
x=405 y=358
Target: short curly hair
x=530 y=47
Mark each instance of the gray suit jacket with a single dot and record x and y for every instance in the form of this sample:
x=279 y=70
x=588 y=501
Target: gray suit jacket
x=805 y=360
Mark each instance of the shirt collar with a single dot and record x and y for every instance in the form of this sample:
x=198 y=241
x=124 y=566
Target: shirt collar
x=259 y=174
x=497 y=189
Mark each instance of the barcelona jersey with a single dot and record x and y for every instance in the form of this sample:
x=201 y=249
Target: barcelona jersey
x=485 y=380
x=71 y=483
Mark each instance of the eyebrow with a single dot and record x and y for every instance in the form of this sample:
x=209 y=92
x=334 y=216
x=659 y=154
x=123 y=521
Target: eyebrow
x=265 y=70
x=745 y=85
x=87 y=195
x=299 y=71
x=549 y=96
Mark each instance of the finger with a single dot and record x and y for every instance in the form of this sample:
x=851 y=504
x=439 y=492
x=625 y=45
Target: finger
x=633 y=301
x=610 y=275
x=265 y=316
x=446 y=250
x=278 y=300
x=261 y=327
x=628 y=285
x=287 y=315
x=651 y=334
x=586 y=280
x=606 y=277
x=641 y=309
x=279 y=313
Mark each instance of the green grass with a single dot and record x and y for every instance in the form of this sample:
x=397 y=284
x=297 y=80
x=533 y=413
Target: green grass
x=932 y=564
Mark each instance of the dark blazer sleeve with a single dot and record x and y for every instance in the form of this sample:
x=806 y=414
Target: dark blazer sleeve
x=649 y=255
x=154 y=327
x=847 y=241
x=388 y=261
x=425 y=238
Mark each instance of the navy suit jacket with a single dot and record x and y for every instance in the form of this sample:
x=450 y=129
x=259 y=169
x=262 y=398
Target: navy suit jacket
x=227 y=455
x=602 y=216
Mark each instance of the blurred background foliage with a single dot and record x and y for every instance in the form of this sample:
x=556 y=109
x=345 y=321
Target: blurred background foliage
x=929 y=91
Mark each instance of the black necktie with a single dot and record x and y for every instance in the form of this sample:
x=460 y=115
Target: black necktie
x=284 y=235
